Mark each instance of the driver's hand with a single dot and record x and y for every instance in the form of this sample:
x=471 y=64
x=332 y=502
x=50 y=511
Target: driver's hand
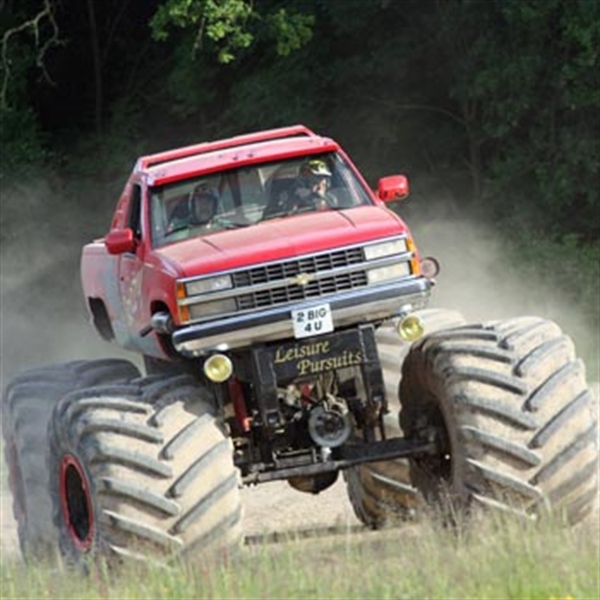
x=321 y=204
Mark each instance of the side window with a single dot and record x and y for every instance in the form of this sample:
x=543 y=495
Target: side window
x=134 y=219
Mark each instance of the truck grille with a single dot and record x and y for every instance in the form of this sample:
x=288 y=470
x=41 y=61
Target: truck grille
x=292 y=293
x=308 y=264
x=275 y=273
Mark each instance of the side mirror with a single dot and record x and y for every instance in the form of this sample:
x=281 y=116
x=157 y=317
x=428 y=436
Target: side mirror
x=119 y=241
x=393 y=187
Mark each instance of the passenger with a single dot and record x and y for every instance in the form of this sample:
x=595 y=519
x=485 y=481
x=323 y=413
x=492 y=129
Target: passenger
x=197 y=211
x=202 y=205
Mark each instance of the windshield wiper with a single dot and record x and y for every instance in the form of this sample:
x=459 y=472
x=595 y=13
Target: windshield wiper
x=177 y=229
x=233 y=224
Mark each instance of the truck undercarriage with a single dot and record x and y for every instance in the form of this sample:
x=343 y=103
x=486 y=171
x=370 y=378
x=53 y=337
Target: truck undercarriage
x=309 y=407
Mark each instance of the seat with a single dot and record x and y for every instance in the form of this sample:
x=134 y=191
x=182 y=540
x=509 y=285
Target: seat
x=279 y=197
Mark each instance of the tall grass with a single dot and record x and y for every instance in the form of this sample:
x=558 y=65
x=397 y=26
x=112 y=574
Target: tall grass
x=495 y=559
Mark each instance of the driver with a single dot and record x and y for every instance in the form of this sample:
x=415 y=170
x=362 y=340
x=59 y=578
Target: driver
x=312 y=187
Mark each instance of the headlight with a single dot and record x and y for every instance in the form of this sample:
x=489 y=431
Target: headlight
x=210 y=284
x=218 y=368
x=390 y=272
x=411 y=328
x=385 y=249
x=205 y=309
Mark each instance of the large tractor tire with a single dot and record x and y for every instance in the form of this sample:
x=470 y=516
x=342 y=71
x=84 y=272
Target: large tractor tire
x=27 y=406
x=143 y=472
x=514 y=420
x=382 y=493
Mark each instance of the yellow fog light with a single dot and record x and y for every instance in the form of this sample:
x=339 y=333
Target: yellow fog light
x=218 y=368
x=411 y=328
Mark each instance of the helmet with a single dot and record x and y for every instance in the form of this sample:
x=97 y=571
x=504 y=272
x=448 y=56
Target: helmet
x=202 y=204
x=316 y=167
x=315 y=174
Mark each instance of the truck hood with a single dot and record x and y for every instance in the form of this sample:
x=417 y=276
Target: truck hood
x=279 y=239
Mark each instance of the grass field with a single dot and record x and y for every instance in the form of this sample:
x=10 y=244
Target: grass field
x=492 y=559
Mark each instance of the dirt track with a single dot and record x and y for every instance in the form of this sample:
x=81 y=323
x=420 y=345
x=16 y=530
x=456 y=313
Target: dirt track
x=9 y=544
x=270 y=508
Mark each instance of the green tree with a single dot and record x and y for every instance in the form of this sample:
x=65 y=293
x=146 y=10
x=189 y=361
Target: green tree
x=233 y=25
x=529 y=88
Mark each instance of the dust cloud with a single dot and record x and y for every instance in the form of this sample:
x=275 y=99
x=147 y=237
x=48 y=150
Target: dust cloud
x=478 y=278
x=43 y=318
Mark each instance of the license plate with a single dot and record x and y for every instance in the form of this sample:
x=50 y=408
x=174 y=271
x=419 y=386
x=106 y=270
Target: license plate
x=312 y=321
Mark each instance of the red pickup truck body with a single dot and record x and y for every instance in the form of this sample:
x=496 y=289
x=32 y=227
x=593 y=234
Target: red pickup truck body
x=133 y=273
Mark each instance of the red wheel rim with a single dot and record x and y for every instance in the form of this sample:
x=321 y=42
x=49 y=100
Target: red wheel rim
x=76 y=503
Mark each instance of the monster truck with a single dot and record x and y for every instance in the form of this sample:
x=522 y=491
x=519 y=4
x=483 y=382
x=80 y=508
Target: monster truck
x=260 y=278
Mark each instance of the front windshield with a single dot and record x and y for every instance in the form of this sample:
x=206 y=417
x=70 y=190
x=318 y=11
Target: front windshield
x=250 y=195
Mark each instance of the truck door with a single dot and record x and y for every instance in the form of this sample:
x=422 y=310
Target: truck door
x=130 y=269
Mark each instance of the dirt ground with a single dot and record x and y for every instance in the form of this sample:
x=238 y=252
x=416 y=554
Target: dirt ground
x=9 y=544
x=271 y=509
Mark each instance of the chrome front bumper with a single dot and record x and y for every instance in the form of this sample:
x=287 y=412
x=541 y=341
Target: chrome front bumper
x=359 y=306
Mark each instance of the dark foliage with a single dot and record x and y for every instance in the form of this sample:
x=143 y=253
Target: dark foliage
x=496 y=102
